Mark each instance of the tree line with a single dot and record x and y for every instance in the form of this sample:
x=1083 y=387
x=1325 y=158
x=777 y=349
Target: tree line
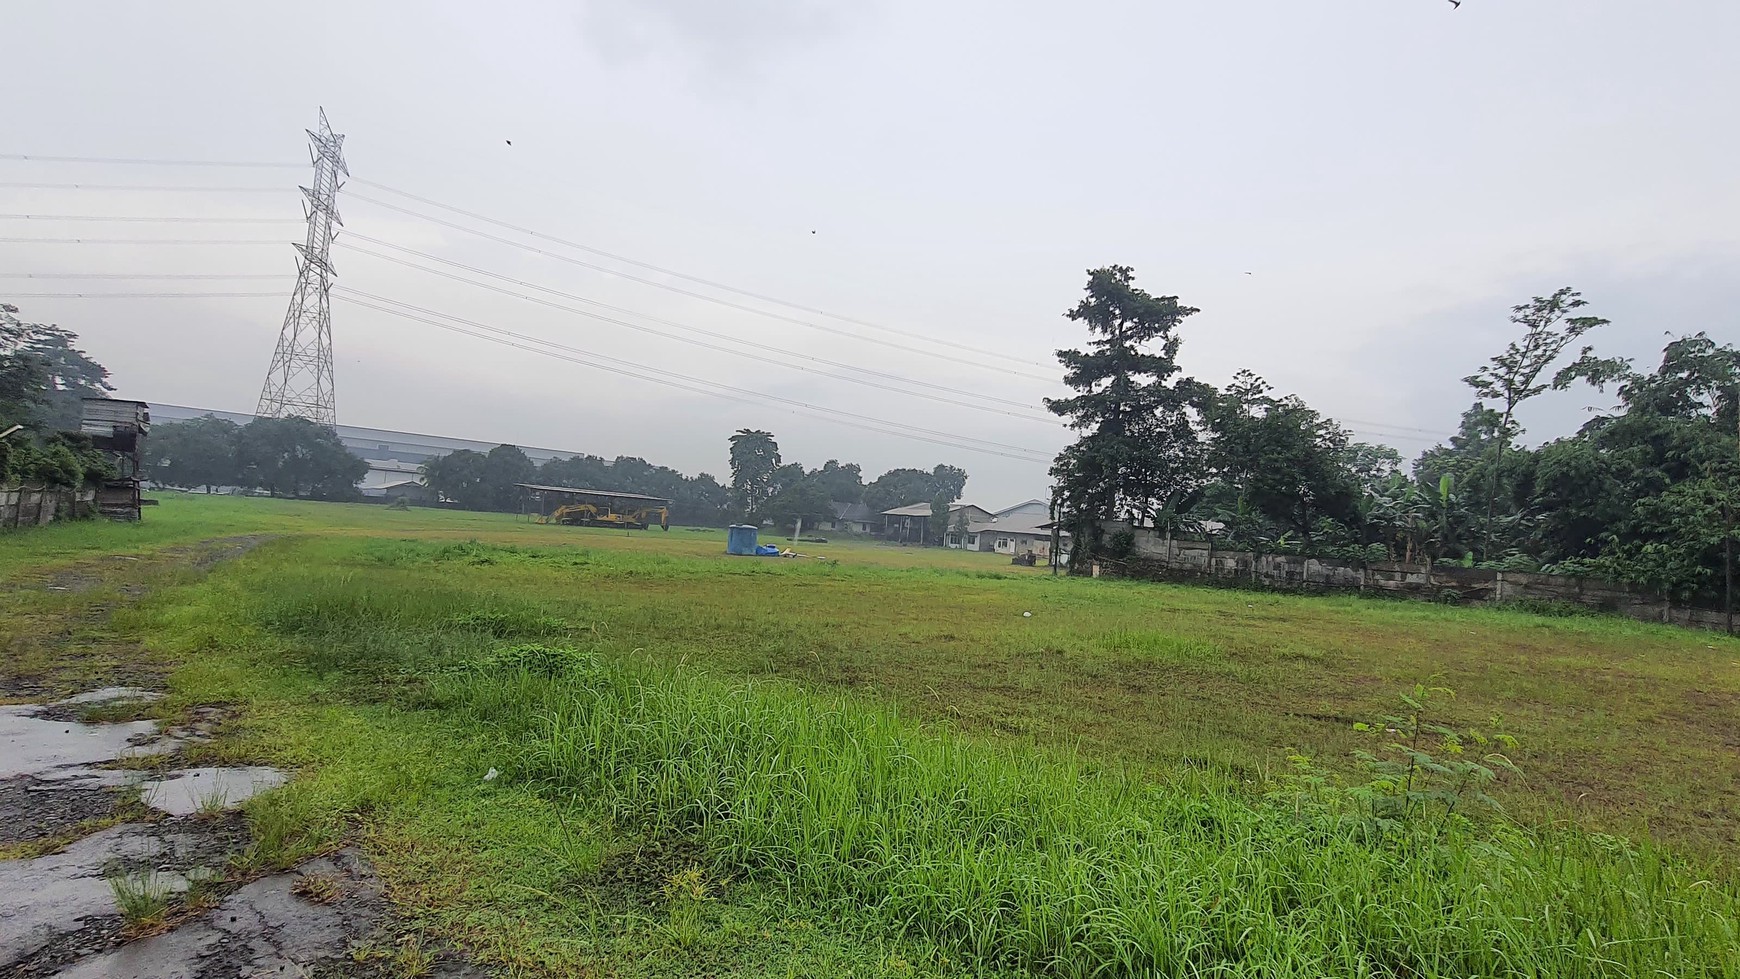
x=486 y=481
x=1645 y=492
x=763 y=486
x=291 y=457
x=766 y=488
x=44 y=378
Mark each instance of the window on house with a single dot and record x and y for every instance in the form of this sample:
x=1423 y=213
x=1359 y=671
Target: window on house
x=972 y=540
x=1005 y=542
x=954 y=540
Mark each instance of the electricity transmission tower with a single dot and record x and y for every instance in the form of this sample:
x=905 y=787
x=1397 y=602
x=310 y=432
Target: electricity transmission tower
x=299 y=382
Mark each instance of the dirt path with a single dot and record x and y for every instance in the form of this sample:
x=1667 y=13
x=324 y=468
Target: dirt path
x=119 y=859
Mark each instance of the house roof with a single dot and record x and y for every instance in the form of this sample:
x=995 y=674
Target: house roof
x=923 y=509
x=1024 y=503
x=852 y=511
x=1030 y=525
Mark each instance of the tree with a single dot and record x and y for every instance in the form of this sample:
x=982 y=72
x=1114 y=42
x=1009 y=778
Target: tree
x=43 y=377
x=949 y=481
x=939 y=519
x=579 y=472
x=1647 y=496
x=807 y=501
x=23 y=372
x=842 y=483
x=1284 y=461
x=298 y=458
x=1513 y=376
x=457 y=477
x=504 y=466
x=905 y=487
x=785 y=477
x=1138 y=456
x=189 y=454
x=754 y=457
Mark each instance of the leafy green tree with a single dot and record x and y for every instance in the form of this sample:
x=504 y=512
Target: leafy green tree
x=949 y=481
x=1285 y=461
x=905 y=487
x=806 y=500
x=457 y=477
x=1645 y=496
x=43 y=376
x=193 y=453
x=939 y=518
x=1138 y=456
x=503 y=467
x=1681 y=542
x=754 y=458
x=23 y=372
x=297 y=458
x=1514 y=376
x=842 y=483
x=579 y=472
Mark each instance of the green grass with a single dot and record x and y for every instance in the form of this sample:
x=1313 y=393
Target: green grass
x=878 y=766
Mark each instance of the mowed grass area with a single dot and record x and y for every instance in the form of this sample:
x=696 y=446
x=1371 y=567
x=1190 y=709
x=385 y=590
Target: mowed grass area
x=878 y=765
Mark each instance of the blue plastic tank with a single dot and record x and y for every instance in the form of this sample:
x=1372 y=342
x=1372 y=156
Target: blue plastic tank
x=741 y=539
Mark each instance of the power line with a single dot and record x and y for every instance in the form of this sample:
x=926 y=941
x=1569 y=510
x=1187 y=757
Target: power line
x=956 y=361
x=683 y=275
x=770 y=349
x=175 y=219
x=133 y=275
x=683 y=381
x=1399 y=428
x=151 y=163
x=144 y=295
x=144 y=241
x=22 y=184
x=763 y=297
x=684 y=377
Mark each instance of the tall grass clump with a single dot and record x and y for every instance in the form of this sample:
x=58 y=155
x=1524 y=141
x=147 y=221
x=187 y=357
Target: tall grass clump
x=1027 y=860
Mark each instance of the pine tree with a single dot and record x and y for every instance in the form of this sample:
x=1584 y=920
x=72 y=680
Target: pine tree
x=1139 y=456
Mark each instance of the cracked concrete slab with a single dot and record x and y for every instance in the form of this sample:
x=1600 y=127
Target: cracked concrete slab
x=269 y=927
x=194 y=790
x=111 y=695
x=49 y=896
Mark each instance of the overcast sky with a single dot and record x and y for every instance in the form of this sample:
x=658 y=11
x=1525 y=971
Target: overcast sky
x=1393 y=174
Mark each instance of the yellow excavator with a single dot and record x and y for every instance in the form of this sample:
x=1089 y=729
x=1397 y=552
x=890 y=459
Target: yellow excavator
x=590 y=515
x=597 y=508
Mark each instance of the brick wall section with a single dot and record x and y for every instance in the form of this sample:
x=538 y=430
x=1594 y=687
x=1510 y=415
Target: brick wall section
x=1155 y=557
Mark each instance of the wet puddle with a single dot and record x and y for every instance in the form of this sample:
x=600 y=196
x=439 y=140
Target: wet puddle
x=34 y=745
x=204 y=790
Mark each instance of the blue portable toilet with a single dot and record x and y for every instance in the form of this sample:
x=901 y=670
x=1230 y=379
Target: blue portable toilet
x=741 y=539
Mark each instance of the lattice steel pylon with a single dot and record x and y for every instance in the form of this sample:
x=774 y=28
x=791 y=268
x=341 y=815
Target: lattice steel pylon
x=299 y=382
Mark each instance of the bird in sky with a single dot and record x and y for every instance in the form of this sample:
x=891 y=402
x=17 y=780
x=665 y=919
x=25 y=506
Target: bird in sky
x=1457 y=4
x=510 y=142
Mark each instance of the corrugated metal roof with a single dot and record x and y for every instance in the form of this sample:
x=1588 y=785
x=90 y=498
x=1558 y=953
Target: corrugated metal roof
x=575 y=491
x=923 y=509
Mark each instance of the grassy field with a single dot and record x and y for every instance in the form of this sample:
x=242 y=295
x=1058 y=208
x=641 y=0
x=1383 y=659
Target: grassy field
x=876 y=764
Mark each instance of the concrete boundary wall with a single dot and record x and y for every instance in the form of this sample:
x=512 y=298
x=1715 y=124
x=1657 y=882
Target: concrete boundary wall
x=34 y=506
x=1157 y=557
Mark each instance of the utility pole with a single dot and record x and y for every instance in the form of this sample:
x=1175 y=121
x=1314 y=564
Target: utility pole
x=1056 y=535
x=299 y=382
